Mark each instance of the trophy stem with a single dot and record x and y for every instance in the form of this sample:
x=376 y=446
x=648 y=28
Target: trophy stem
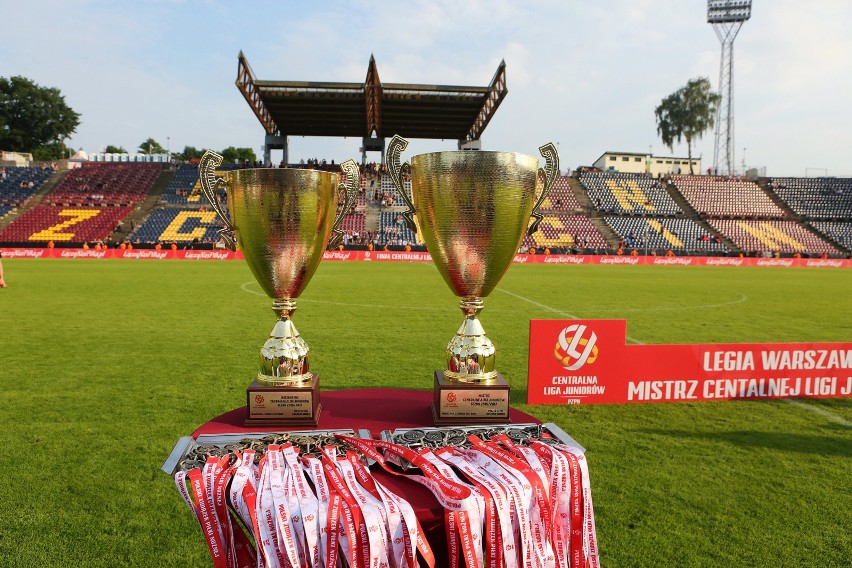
x=285 y=357
x=470 y=354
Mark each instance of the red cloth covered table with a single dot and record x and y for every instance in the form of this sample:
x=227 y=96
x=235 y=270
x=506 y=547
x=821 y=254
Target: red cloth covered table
x=374 y=410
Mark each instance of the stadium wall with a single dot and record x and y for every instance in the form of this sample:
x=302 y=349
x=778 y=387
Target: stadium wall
x=389 y=256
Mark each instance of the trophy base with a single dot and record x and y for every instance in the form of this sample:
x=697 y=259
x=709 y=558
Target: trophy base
x=283 y=405
x=460 y=404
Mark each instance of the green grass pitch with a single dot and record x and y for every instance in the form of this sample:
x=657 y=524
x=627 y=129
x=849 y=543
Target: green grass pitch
x=104 y=364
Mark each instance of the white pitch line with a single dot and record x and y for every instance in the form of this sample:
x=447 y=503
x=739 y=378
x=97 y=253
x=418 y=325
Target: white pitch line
x=817 y=410
x=742 y=298
x=555 y=311
x=824 y=413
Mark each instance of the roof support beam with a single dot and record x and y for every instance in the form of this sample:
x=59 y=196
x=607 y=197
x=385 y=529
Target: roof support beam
x=497 y=91
x=373 y=99
x=245 y=83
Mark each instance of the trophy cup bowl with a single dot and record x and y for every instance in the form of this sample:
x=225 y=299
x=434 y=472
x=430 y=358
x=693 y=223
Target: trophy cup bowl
x=282 y=218
x=473 y=209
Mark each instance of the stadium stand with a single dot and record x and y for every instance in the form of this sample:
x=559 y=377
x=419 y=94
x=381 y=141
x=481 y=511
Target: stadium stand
x=665 y=234
x=353 y=223
x=64 y=224
x=816 y=198
x=723 y=197
x=630 y=194
x=21 y=183
x=772 y=236
x=178 y=225
x=184 y=188
x=5 y=209
x=388 y=194
x=110 y=184
x=838 y=231
x=394 y=231
x=565 y=231
x=561 y=197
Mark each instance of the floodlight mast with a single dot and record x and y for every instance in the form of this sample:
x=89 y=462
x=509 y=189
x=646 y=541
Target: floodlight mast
x=727 y=17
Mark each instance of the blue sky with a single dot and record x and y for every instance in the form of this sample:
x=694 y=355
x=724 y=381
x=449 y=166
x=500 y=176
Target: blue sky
x=586 y=75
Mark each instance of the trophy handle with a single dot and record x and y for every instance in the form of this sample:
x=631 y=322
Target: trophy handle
x=353 y=177
x=550 y=171
x=397 y=145
x=209 y=181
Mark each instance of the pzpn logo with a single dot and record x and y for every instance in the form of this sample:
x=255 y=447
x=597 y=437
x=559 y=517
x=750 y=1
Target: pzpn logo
x=575 y=347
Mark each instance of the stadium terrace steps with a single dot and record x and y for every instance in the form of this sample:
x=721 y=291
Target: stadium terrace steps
x=828 y=199
x=580 y=194
x=371 y=218
x=594 y=217
x=789 y=213
x=837 y=233
x=606 y=231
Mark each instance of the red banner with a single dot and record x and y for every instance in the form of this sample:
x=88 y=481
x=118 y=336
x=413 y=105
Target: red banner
x=589 y=362
x=401 y=256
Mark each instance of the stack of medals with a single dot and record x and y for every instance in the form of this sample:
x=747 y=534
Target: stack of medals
x=512 y=495
x=296 y=501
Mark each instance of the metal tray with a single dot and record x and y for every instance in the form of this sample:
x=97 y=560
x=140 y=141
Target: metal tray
x=435 y=438
x=194 y=449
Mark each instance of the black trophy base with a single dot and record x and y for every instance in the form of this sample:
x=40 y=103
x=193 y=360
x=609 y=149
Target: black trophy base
x=458 y=403
x=283 y=405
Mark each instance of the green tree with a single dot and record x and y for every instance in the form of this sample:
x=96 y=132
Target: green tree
x=32 y=116
x=189 y=153
x=231 y=155
x=52 y=151
x=687 y=114
x=151 y=146
x=110 y=149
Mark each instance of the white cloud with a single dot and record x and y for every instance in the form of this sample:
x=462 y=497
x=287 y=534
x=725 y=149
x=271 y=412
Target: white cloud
x=585 y=74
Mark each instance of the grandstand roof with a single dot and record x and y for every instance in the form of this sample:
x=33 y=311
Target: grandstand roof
x=303 y=108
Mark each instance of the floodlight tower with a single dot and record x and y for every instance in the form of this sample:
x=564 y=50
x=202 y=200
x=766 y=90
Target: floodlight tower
x=727 y=17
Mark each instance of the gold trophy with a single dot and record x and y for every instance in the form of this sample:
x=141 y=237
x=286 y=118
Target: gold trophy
x=473 y=209
x=283 y=219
